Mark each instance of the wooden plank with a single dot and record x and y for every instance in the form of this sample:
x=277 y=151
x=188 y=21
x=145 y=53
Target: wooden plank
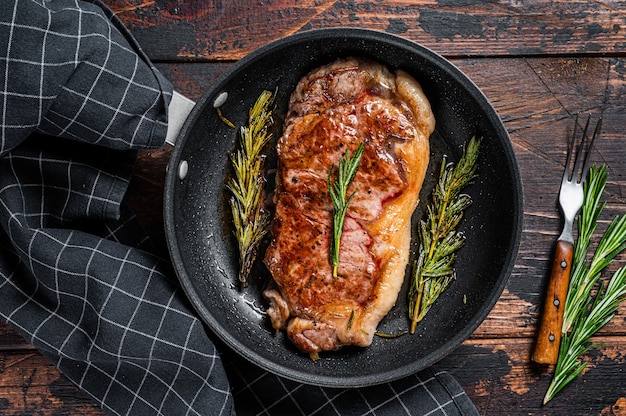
x=30 y=385
x=495 y=374
x=11 y=340
x=500 y=379
x=222 y=30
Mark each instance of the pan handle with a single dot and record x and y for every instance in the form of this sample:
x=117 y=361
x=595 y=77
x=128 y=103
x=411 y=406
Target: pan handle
x=178 y=110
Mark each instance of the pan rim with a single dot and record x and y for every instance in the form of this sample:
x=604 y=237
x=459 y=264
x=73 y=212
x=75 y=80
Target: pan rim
x=245 y=350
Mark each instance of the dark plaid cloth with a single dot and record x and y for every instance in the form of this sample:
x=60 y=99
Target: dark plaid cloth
x=429 y=392
x=79 y=279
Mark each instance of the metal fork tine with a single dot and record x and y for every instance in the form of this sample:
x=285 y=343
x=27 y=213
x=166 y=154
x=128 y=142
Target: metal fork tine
x=596 y=131
x=570 y=150
x=580 y=149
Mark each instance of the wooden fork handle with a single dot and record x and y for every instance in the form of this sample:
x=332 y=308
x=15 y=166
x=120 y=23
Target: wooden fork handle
x=549 y=336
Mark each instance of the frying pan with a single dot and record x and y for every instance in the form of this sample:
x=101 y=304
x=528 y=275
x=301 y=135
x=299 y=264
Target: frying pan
x=203 y=249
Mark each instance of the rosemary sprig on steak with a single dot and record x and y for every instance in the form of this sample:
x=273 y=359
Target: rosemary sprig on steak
x=338 y=190
x=250 y=219
x=433 y=271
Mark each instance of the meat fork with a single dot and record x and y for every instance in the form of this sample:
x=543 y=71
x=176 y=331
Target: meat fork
x=571 y=200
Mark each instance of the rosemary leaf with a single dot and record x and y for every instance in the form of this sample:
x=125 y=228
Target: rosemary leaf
x=346 y=170
x=251 y=221
x=591 y=300
x=433 y=271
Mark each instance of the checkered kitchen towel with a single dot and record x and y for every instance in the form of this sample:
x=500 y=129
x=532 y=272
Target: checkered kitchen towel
x=78 y=278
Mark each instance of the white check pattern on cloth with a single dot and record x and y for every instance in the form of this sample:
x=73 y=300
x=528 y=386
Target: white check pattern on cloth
x=429 y=392
x=80 y=77
x=79 y=279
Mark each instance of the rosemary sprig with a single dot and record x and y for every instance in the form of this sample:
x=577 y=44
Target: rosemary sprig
x=579 y=287
x=250 y=219
x=591 y=301
x=338 y=190
x=433 y=270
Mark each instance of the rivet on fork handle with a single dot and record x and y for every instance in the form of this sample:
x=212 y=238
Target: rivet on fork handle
x=549 y=336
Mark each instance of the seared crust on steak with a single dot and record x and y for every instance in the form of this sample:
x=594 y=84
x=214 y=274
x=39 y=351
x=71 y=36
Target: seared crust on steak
x=335 y=108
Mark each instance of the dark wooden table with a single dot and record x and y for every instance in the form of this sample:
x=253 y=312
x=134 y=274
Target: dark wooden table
x=538 y=62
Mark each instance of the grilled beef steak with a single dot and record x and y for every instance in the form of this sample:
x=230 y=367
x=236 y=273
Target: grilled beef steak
x=335 y=108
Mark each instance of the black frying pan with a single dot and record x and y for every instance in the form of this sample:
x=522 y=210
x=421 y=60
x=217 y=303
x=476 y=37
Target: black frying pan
x=203 y=250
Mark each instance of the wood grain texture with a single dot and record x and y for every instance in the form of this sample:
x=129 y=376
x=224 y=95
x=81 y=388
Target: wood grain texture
x=495 y=373
x=539 y=63
x=30 y=385
x=551 y=320
x=227 y=30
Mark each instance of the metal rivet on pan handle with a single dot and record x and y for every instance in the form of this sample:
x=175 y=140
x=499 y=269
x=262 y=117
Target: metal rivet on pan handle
x=183 y=169
x=220 y=99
